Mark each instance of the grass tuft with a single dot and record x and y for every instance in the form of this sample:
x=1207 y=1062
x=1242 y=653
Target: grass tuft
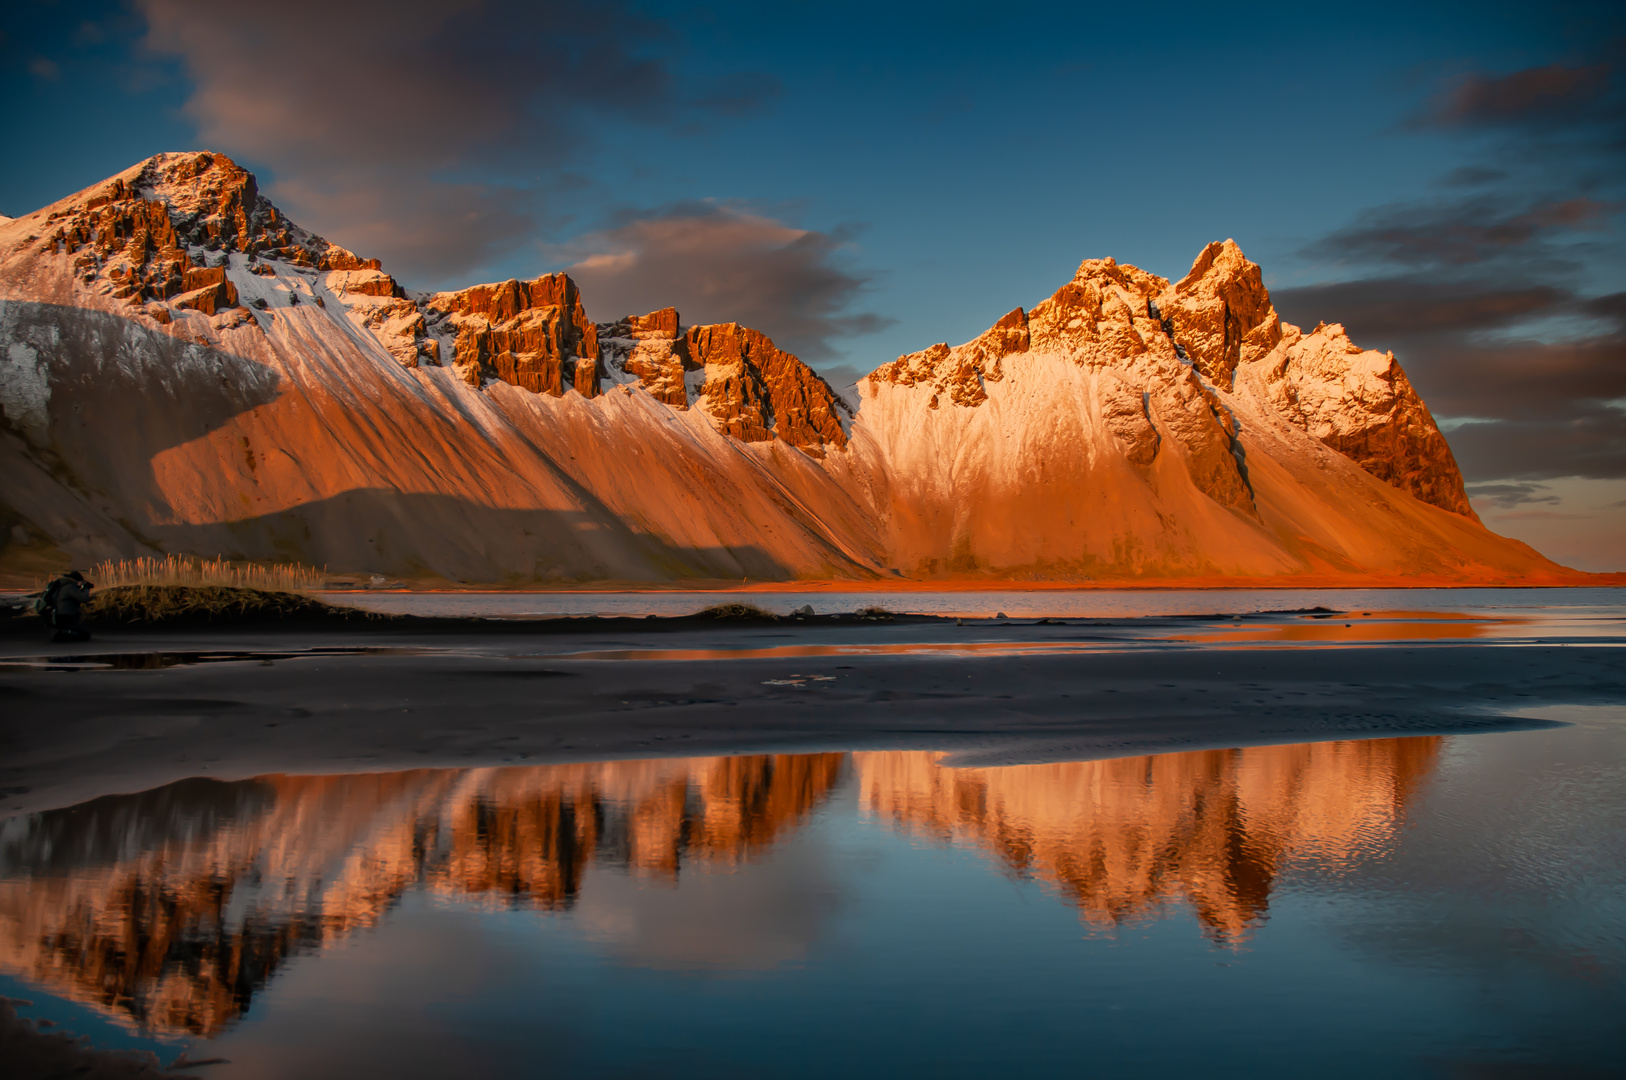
x=183 y=570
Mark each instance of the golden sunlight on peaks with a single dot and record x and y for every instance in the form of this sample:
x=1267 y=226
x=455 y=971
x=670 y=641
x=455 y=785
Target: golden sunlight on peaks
x=1121 y=839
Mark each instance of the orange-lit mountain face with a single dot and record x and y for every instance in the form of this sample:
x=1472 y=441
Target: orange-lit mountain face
x=183 y=369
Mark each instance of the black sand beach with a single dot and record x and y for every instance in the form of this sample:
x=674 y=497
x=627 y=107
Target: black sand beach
x=136 y=709
x=206 y=923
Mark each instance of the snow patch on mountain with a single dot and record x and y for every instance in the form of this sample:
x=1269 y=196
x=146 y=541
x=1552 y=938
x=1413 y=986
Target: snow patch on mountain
x=25 y=387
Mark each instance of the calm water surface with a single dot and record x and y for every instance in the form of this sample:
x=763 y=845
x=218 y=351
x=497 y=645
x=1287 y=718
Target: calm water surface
x=1431 y=907
x=1079 y=603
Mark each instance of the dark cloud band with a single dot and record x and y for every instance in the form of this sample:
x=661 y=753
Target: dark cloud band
x=1534 y=95
x=418 y=130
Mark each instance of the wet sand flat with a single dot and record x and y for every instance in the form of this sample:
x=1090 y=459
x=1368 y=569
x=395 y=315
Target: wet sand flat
x=131 y=711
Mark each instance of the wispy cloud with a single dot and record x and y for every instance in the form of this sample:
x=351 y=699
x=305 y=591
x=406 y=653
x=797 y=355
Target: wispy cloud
x=1390 y=308
x=1506 y=496
x=1535 y=95
x=1468 y=231
x=1541 y=515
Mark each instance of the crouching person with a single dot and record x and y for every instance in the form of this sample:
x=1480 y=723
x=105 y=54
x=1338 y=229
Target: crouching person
x=65 y=597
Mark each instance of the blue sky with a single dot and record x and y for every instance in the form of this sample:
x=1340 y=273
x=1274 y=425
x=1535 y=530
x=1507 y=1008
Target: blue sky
x=861 y=180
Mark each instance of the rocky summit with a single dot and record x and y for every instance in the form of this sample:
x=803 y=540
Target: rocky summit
x=183 y=369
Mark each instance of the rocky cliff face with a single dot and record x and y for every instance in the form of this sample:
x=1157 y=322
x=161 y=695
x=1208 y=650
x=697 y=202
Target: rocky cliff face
x=651 y=350
x=1178 y=348
x=532 y=334
x=159 y=231
x=1361 y=404
x=756 y=391
x=184 y=369
x=759 y=392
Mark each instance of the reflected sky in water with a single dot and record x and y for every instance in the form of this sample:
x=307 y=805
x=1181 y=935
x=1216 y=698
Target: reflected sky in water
x=1018 y=603
x=1440 y=906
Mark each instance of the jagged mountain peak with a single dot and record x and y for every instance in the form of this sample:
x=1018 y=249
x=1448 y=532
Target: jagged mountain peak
x=163 y=227
x=1220 y=312
x=1109 y=271
x=1182 y=344
x=198 y=183
x=1223 y=256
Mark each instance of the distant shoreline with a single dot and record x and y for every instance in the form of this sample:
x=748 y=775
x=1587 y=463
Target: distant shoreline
x=1595 y=581
x=14 y=589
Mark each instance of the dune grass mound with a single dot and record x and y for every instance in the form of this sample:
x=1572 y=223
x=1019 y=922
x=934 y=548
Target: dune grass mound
x=737 y=613
x=134 y=605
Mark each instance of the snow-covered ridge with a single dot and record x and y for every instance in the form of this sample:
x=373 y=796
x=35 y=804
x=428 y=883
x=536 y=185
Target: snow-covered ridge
x=1179 y=346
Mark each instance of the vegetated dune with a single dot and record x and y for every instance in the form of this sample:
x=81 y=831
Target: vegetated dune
x=184 y=370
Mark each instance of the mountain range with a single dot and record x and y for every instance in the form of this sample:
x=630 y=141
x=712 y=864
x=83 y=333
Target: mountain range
x=184 y=369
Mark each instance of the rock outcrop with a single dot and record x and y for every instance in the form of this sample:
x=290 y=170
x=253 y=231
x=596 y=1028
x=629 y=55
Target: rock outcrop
x=532 y=334
x=1360 y=403
x=375 y=302
x=651 y=349
x=756 y=391
x=759 y=392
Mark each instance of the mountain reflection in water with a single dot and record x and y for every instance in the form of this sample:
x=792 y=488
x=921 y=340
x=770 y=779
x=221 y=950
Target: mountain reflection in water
x=172 y=908
x=1123 y=837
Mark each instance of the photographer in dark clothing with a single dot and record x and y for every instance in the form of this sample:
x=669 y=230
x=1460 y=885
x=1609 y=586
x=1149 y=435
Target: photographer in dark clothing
x=64 y=597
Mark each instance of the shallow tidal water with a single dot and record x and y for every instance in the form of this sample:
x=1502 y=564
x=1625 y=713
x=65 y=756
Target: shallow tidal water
x=1438 y=906
x=1018 y=603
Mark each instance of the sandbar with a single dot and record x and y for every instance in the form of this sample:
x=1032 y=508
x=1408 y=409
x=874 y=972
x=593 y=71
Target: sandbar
x=133 y=710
